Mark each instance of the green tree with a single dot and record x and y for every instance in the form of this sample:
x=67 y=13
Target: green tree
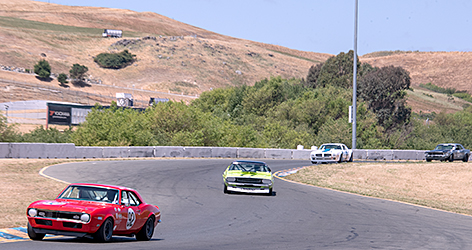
x=337 y=71
x=62 y=78
x=7 y=131
x=114 y=127
x=50 y=135
x=334 y=131
x=279 y=135
x=77 y=72
x=265 y=95
x=176 y=123
x=42 y=69
x=383 y=89
x=313 y=74
x=240 y=136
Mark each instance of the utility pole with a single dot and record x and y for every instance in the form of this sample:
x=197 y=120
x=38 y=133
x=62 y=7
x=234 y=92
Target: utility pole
x=354 y=85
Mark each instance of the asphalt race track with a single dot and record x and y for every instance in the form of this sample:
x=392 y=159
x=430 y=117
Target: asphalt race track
x=196 y=214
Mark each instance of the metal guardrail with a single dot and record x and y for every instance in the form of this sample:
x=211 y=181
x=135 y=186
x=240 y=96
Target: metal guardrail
x=69 y=150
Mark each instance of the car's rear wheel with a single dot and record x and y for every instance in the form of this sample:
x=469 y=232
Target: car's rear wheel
x=466 y=158
x=146 y=231
x=428 y=160
x=33 y=235
x=350 y=158
x=451 y=158
x=105 y=232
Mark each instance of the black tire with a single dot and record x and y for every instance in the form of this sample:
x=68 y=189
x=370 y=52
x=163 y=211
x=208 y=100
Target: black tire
x=350 y=158
x=313 y=162
x=225 y=189
x=33 y=235
x=428 y=160
x=340 y=158
x=451 y=158
x=466 y=158
x=105 y=232
x=146 y=232
x=270 y=192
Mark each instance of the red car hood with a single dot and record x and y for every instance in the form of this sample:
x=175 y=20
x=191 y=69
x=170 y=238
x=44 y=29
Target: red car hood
x=69 y=205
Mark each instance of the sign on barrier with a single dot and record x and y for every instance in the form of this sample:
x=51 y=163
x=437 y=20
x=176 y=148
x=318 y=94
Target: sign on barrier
x=59 y=115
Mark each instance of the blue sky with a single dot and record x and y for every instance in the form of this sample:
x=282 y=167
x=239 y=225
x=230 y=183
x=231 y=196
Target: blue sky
x=325 y=26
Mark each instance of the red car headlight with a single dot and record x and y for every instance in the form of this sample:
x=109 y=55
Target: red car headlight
x=85 y=217
x=32 y=212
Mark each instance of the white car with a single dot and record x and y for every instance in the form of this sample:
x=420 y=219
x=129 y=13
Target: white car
x=331 y=152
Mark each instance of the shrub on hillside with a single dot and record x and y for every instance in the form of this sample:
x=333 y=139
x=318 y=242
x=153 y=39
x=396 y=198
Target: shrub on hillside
x=42 y=69
x=437 y=89
x=115 y=60
x=77 y=72
x=62 y=78
x=463 y=95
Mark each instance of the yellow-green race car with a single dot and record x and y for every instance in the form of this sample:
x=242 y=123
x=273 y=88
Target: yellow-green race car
x=248 y=177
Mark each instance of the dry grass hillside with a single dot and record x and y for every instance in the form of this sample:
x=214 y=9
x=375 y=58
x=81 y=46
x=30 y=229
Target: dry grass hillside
x=171 y=56
x=443 y=69
x=177 y=58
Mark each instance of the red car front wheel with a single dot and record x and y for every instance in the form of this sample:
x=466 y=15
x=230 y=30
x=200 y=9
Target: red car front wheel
x=33 y=235
x=105 y=232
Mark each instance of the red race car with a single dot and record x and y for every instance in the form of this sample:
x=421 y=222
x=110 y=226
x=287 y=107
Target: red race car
x=95 y=210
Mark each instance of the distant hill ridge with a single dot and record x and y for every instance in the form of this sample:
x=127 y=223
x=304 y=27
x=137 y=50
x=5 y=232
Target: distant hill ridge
x=196 y=61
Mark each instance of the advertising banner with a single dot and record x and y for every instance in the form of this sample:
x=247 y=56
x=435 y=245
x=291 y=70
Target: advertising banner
x=59 y=115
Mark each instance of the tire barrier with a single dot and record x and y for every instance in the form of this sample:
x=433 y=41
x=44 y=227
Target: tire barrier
x=69 y=150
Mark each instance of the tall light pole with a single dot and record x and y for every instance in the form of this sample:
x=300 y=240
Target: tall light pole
x=354 y=85
x=6 y=109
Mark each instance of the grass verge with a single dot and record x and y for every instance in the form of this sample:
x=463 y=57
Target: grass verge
x=437 y=185
x=21 y=184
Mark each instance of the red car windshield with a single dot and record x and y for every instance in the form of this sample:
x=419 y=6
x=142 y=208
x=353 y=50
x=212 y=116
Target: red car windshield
x=90 y=193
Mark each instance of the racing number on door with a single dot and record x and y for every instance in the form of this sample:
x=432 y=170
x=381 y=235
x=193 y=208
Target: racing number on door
x=128 y=211
x=131 y=218
x=134 y=216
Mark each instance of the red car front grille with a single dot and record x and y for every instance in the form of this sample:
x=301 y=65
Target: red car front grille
x=59 y=215
x=71 y=224
x=43 y=222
